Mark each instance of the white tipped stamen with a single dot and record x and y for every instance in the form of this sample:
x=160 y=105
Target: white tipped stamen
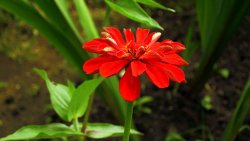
x=108 y=49
x=155 y=37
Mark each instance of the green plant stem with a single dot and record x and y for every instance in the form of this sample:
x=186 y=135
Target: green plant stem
x=86 y=117
x=77 y=128
x=76 y=124
x=128 y=121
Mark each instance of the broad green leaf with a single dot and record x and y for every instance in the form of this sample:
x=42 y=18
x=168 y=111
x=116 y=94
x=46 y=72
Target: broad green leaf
x=59 y=95
x=104 y=130
x=80 y=98
x=55 y=130
x=132 y=10
x=86 y=20
x=71 y=87
x=152 y=3
x=239 y=114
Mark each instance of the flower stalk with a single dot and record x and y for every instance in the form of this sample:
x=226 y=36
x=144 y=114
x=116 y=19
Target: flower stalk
x=128 y=121
x=86 y=117
x=76 y=124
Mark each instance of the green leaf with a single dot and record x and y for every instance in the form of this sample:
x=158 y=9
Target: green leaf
x=59 y=95
x=56 y=13
x=191 y=45
x=55 y=130
x=62 y=5
x=132 y=10
x=104 y=130
x=71 y=87
x=213 y=15
x=152 y=3
x=80 y=98
x=239 y=114
x=86 y=20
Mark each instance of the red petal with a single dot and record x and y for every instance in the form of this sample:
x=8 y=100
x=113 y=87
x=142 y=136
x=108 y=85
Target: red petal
x=95 y=46
x=158 y=76
x=141 y=35
x=176 y=46
x=115 y=34
x=112 y=68
x=92 y=65
x=175 y=60
x=174 y=73
x=129 y=35
x=129 y=86
x=149 y=38
x=137 y=68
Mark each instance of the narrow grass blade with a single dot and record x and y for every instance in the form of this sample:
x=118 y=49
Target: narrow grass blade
x=62 y=5
x=215 y=34
x=86 y=20
x=62 y=22
x=239 y=115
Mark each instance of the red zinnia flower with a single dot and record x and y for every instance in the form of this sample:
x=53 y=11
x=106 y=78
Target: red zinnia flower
x=159 y=60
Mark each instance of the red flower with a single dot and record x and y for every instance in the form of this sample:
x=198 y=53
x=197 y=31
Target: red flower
x=142 y=53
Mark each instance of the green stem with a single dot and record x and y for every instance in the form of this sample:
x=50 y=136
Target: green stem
x=76 y=124
x=77 y=127
x=86 y=117
x=128 y=121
